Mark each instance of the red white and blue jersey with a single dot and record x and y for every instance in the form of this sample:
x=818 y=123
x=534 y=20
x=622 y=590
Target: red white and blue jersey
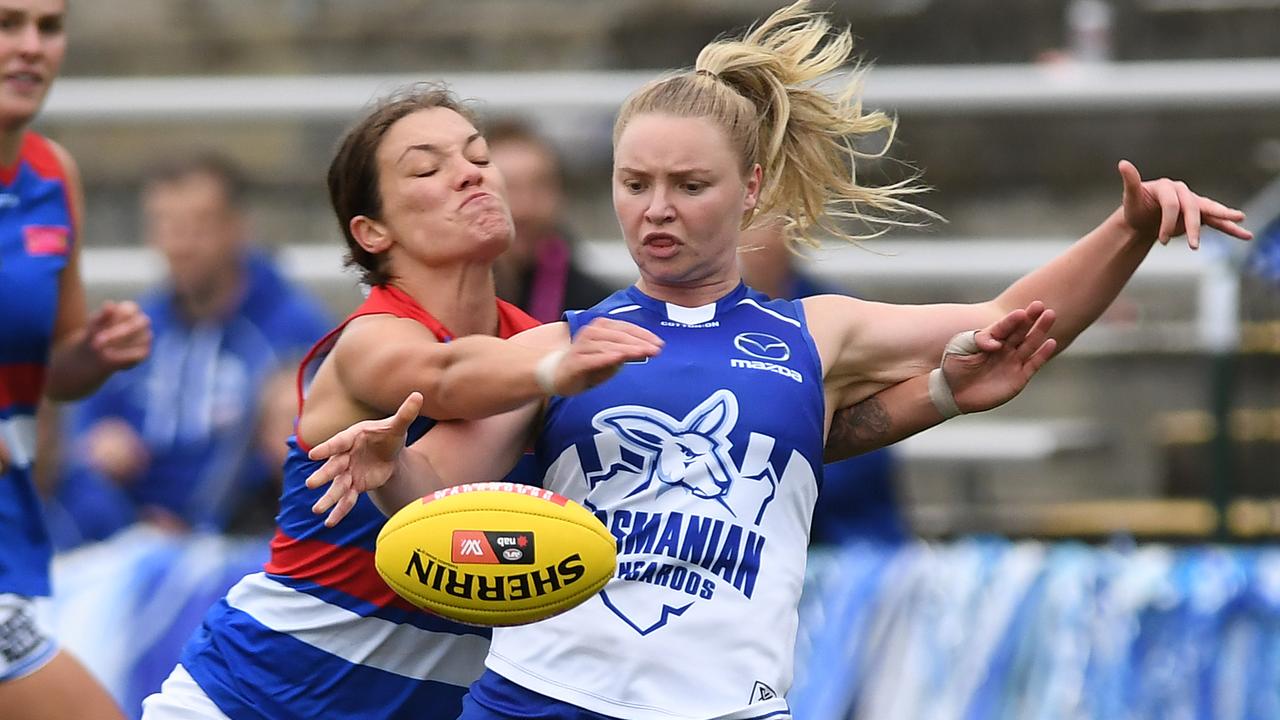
x=37 y=233
x=704 y=464
x=318 y=634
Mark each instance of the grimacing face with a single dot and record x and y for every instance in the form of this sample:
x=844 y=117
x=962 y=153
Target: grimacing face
x=680 y=197
x=442 y=200
x=33 y=43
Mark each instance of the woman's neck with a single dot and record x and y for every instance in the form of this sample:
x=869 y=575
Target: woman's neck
x=460 y=297
x=693 y=294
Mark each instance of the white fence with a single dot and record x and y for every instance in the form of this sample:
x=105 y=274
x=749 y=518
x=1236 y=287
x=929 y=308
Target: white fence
x=886 y=264
x=1064 y=87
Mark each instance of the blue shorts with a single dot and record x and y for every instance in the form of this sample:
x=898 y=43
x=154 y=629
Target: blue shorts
x=24 y=648
x=494 y=697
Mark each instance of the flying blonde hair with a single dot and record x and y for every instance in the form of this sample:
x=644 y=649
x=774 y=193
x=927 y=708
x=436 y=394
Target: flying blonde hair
x=761 y=89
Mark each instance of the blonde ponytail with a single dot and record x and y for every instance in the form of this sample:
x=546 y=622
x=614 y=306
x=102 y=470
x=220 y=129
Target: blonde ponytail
x=761 y=89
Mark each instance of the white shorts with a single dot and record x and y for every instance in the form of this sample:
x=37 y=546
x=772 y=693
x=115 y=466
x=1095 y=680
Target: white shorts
x=180 y=698
x=24 y=647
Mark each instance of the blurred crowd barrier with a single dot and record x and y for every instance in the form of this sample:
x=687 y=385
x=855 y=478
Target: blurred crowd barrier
x=991 y=629
x=127 y=605
x=976 y=628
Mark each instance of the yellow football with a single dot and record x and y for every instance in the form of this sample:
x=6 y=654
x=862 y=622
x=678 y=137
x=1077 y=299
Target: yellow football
x=495 y=553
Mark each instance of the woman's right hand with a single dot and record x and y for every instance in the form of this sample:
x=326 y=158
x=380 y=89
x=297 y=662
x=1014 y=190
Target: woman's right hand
x=598 y=352
x=1004 y=357
x=359 y=459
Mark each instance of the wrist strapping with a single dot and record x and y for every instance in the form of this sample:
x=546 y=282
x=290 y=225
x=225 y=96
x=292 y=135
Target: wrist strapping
x=965 y=343
x=545 y=372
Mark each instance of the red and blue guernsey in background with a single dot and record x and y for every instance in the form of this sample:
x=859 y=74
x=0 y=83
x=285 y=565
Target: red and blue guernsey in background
x=37 y=233
x=318 y=634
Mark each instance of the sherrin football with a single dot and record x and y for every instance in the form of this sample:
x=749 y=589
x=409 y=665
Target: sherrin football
x=495 y=553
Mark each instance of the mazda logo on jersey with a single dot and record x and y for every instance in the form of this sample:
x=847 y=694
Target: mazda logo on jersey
x=763 y=346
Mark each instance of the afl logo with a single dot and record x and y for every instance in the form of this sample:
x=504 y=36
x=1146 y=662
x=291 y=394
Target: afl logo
x=762 y=346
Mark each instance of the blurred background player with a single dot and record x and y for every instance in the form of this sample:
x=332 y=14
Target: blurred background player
x=538 y=273
x=172 y=440
x=49 y=347
x=858 y=499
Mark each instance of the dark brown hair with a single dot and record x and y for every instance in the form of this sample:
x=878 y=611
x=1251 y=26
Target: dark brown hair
x=353 y=173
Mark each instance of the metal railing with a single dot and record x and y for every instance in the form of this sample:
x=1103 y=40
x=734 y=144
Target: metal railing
x=1065 y=87
x=888 y=264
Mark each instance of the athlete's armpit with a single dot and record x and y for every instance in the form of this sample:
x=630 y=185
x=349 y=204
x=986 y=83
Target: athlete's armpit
x=859 y=428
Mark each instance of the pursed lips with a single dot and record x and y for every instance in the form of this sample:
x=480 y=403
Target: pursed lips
x=474 y=197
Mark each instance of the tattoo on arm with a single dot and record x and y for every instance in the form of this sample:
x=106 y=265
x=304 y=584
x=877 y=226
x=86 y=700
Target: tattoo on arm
x=858 y=428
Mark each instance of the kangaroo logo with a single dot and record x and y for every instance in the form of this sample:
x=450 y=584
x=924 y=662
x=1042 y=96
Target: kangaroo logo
x=685 y=503
x=692 y=453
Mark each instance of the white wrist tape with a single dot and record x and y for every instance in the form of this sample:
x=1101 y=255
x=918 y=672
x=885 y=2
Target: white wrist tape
x=965 y=343
x=545 y=372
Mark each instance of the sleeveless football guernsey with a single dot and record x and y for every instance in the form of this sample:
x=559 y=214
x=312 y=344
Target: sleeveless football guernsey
x=36 y=238
x=704 y=464
x=318 y=634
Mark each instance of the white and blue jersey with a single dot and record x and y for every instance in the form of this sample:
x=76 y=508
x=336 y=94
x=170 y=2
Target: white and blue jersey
x=704 y=463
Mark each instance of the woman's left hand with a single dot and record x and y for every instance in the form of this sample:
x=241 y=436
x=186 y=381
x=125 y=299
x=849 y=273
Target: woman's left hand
x=1165 y=209
x=360 y=459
